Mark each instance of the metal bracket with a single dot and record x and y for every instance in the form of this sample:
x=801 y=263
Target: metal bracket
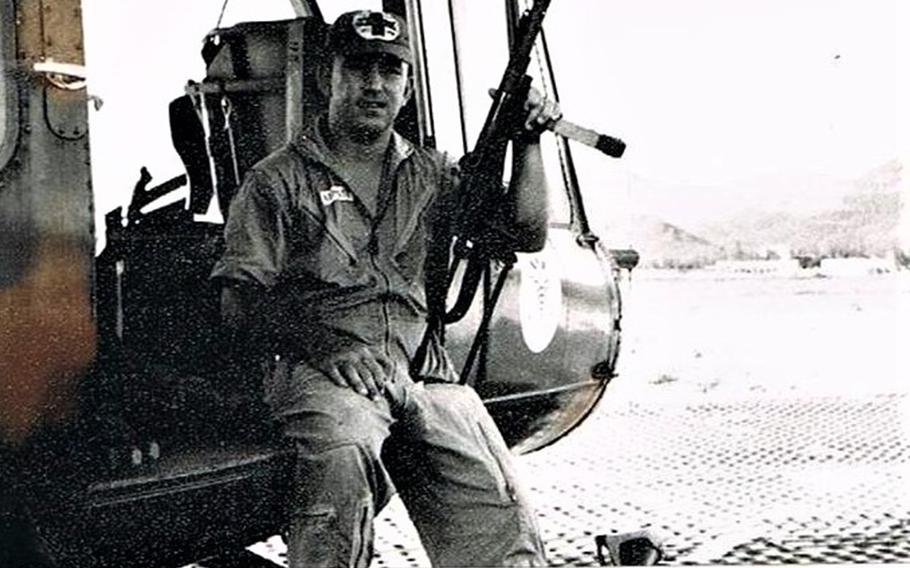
x=639 y=548
x=65 y=76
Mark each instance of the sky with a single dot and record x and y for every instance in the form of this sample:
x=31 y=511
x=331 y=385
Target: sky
x=729 y=105
x=706 y=93
x=711 y=91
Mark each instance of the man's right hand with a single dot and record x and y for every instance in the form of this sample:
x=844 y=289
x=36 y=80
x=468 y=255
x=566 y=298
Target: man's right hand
x=363 y=370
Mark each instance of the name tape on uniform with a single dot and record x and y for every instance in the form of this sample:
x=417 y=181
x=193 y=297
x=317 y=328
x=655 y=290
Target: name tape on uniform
x=335 y=193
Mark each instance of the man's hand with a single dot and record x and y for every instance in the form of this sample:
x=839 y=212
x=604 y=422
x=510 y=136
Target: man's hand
x=363 y=370
x=542 y=112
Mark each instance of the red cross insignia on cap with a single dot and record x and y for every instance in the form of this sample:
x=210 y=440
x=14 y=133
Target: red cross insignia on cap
x=376 y=25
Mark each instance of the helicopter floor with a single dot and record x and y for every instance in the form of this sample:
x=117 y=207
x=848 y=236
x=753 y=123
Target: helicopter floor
x=749 y=481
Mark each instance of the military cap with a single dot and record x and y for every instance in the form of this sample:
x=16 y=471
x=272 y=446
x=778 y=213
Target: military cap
x=366 y=31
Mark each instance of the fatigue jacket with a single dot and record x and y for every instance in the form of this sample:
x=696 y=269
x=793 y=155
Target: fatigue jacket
x=338 y=276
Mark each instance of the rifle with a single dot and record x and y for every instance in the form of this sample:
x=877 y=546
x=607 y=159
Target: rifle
x=481 y=187
x=476 y=241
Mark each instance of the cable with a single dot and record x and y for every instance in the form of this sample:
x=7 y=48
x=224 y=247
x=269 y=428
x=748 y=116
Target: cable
x=221 y=15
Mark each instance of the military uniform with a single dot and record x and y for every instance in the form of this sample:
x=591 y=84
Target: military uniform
x=339 y=275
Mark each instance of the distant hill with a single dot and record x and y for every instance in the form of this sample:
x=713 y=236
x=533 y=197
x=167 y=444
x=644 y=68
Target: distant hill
x=663 y=244
x=865 y=222
x=855 y=218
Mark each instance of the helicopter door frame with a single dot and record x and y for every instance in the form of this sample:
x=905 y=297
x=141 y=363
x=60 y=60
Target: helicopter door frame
x=412 y=12
x=10 y=83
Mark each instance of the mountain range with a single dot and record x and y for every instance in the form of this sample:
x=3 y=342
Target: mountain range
x=827 y=217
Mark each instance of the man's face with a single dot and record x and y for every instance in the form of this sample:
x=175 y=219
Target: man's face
x=367 y=91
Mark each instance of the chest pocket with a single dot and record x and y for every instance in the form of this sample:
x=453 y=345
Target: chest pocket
x=328 y=238
x=416 y=227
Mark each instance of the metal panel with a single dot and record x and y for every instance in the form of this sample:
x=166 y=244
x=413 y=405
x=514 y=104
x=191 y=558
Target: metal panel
x=9 y=108
x=46 y=311
x=62 y=43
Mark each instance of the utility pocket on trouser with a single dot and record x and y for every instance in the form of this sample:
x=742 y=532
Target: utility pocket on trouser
x=309 y=538
x=332 y=504
x=495 y=448
x=321 y=538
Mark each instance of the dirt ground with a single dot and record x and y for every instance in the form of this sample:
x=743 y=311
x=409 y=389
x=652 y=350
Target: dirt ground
x=701 y=335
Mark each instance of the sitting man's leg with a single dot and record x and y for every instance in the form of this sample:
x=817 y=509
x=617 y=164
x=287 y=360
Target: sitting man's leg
x=340 y=482
x=457 y=481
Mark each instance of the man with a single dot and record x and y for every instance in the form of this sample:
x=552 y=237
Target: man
x=328 y=244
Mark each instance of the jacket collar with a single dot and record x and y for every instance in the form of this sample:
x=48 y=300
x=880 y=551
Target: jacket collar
x=312 y=144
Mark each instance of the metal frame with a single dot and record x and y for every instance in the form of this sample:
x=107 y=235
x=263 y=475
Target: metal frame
x=455 y=31
x=306 y=8
x=11 y=83
x=424 y=101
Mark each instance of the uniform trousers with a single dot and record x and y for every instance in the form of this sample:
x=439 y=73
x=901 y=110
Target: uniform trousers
x=435 y=444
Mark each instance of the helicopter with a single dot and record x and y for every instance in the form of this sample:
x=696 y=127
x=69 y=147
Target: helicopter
x=128 y=436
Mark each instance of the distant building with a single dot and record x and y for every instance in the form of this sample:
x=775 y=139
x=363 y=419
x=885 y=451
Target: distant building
x=788 y=267
x=856 y=266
